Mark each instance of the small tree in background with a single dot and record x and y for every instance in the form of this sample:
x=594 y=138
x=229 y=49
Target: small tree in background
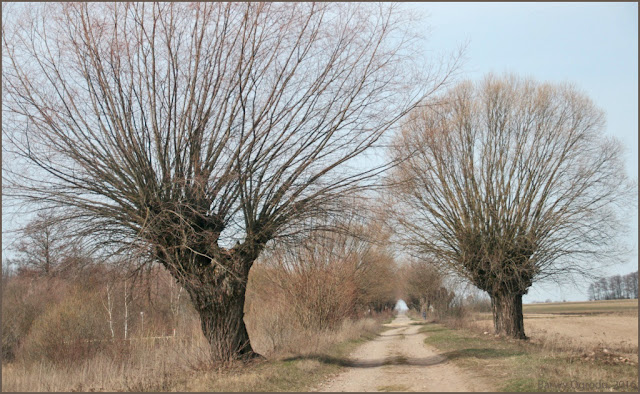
x=47 y=247
x=631 y=284
x=328 y=276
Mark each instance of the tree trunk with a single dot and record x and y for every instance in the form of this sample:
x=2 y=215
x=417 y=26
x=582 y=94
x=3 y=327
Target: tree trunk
x=497 y=316
x=507 y=314
x=221 y=310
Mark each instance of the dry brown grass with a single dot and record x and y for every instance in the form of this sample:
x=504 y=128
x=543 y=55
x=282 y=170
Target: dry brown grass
x=616 y=331
x=183 y=365
x=295 y=369
x=576 y=348
x=517 y=365
x=144 y=366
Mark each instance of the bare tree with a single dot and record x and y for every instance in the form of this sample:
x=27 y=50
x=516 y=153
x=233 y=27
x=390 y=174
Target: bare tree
x=175 y=292
x=200 y=132
x=508 y=182
x=377 y=281
x=616 y=284
x=108 y=306
x=616 y=287
x=326 y=275
x=46 y=246
x=631 y=284
x=591 y=292
x=603 y=286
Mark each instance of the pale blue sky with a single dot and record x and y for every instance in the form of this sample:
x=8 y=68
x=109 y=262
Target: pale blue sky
x=593 y=45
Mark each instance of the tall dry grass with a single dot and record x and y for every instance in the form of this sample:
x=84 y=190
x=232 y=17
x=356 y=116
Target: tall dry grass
x=167 y=365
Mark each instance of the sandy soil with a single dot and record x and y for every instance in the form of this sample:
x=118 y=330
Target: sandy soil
x=399 y=360
x=614 y=331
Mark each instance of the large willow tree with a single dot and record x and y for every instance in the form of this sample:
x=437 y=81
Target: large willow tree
x=200 y=132
x=509 y=181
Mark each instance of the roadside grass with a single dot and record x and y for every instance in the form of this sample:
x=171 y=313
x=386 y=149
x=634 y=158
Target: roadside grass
x=393 y=387
x=523 y=366
x=389 y=320
x=286 y=373
x=186 y=366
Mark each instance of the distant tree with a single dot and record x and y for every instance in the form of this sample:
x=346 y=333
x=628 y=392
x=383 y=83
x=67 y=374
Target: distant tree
x=328 y=275
x=200 y=132
x=605 y=292
x=507 y=182
x=616 y=287
x=46 y=246
x=631 y=284
x=616 y=284
x=376 y=279
x=591 y=292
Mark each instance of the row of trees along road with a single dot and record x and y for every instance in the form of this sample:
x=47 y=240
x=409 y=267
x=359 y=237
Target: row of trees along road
x=196 y=134
x=424 y=287
x=509 y=181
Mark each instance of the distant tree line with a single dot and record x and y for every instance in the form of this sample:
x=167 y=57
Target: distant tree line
x=615 y=287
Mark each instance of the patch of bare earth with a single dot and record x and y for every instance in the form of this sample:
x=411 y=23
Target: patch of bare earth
x=398 y=360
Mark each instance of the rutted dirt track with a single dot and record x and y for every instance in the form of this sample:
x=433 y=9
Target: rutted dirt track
x=399 y=360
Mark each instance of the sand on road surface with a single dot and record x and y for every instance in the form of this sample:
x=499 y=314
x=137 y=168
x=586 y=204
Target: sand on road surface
x=399 y=360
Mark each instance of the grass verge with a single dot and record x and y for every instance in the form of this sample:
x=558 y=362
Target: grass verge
x=293 y=373
x=523 y=366
x=178 y=366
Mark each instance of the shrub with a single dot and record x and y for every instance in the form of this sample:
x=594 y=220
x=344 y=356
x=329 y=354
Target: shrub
x=24 y=299
x=71 y=331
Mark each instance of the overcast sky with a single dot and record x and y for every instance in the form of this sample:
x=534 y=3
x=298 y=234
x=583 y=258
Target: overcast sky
x=593 y=45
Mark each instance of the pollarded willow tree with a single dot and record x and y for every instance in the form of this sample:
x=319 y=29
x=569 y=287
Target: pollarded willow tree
x=509 y=181
x=200 y=132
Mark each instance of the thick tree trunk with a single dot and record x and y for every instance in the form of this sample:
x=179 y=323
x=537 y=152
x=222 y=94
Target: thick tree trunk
x=218 y=295
x=217 y=290
x=221 y=313
x=223 y=326
x=507 y=314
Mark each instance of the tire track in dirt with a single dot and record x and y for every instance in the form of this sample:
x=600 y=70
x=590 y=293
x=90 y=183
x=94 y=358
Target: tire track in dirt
x=398 y=360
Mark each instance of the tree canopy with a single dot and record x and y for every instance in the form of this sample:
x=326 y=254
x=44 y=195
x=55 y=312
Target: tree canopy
x=509 y=181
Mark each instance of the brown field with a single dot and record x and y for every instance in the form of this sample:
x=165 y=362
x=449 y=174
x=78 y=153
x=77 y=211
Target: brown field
x=608 y=324
x=583 y=307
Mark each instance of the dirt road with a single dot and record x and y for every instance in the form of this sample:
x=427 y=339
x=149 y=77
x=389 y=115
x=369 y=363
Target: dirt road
x=399 y=360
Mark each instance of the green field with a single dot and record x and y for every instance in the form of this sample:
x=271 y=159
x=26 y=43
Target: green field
x=584 y=307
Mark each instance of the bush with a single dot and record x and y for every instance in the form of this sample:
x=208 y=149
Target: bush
x=23 y=301
x=71 y=331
